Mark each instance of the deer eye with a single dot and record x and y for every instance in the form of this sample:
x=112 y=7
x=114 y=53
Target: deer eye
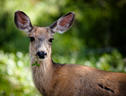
x=32 y=39
x=51 y=39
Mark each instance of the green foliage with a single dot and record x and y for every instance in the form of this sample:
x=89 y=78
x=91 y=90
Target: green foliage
x=107 y=61
x=35 y=64
x=15 y=75
x=98 y=23
x=112 y=62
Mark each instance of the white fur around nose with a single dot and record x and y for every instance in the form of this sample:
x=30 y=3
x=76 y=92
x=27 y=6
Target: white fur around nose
x=43 y=47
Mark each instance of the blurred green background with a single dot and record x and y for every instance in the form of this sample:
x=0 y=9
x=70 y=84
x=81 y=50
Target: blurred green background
x=97 y=38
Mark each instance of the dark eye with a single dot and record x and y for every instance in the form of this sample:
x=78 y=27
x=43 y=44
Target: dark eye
x=51 y=39
x=32 y=39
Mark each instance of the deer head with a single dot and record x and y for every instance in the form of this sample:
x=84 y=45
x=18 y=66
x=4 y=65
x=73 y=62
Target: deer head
x=41 y=37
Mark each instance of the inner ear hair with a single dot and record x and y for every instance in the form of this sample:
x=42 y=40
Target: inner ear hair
x=22 y=21
x=63 y=23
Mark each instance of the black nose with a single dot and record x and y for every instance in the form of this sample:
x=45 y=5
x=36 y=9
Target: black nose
x=41 y=54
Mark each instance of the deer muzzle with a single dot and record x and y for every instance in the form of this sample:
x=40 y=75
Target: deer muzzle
x=41 y=54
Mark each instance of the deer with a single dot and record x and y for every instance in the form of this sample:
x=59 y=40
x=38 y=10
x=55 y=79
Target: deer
x=54 y=79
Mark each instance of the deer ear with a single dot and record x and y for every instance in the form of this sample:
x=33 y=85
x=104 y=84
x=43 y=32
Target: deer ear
x=63 y=23
x=22 y=21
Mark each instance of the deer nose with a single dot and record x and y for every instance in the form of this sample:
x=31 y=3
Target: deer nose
x=41 y=54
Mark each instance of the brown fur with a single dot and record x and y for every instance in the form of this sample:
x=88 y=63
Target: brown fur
x=53 y=79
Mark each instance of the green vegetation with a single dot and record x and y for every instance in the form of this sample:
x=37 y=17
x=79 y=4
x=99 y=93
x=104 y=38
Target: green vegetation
x=35 y=64
x=97 y=39
x=15 y=75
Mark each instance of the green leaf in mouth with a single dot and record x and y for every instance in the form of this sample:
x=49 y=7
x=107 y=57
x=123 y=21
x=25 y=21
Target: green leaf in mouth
x=35 y=64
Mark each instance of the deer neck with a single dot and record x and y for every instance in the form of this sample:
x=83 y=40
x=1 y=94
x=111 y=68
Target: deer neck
x=42 y=72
